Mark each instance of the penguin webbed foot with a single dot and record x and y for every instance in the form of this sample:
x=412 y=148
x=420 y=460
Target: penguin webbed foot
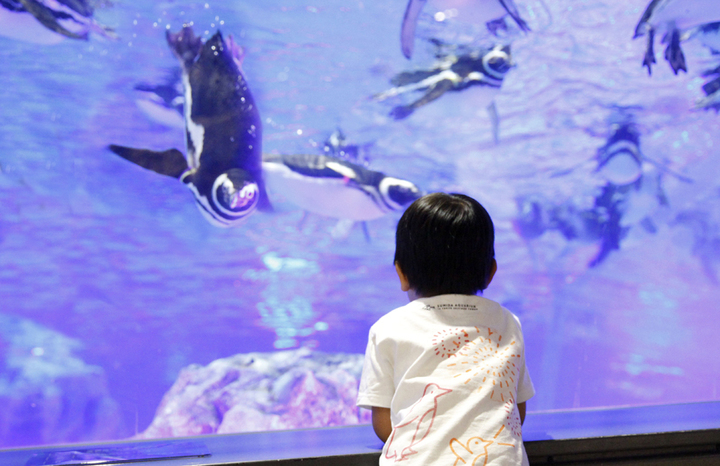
x=184 y=44
x=673 y=53
x=401 y=111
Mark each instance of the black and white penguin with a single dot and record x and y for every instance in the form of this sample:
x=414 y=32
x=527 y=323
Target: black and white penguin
x=223 y=166
x=493 y=9
x=336 y=188
x=49 y=21
x=482 y=70
x=164 y=102
x=673 y=18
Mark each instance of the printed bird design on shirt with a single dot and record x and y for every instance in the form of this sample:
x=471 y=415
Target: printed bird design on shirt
x=470 y=453
x=419 y=421
x=475 y=450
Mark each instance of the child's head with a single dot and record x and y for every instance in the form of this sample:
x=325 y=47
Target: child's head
x=444 y=245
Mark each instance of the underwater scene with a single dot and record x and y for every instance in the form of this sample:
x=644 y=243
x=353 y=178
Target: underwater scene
x=198 y=200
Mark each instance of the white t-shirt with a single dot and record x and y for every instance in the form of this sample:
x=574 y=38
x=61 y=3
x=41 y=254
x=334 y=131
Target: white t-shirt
x=451 y=368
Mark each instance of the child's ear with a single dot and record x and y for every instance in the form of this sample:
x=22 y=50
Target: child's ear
x=493 y=269
x=404 y=283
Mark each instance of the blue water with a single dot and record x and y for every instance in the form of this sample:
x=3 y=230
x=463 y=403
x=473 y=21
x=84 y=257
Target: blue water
x=120 y=260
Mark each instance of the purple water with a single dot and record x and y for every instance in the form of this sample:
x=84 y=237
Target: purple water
x=117 y=274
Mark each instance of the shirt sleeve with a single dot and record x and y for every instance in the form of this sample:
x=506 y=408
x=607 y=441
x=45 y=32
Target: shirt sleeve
x=376 y=383
x=526 y=389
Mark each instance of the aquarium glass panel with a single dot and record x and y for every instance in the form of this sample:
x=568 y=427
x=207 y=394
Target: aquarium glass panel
x=198 y=200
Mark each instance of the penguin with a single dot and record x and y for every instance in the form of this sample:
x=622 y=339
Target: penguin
x=629 y=195
x=48 y=22
x=163 y=103
x=223 y=164
x=672 y=18
x=494 y=9
x=417 y=424
x=485 y=70
x=336 y=188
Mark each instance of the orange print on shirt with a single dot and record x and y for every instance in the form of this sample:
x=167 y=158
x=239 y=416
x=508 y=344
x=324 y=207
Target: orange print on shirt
x=475 y=451
x=486 y=359
x=449 y=341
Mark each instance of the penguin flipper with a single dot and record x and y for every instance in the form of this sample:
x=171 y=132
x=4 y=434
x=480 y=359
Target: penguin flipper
x=674 y=54
x=46 y=17
x=410 y=77
x=512 y=10
x=435 y=91
x=169 y=163
x=407 y=31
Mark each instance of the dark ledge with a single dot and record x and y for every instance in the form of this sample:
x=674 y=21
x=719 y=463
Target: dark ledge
x=687 y=434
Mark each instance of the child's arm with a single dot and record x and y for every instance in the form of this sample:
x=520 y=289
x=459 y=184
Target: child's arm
x=521 y=409
x=382 y=424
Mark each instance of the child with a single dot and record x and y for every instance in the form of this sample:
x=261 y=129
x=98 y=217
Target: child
x=445 y=374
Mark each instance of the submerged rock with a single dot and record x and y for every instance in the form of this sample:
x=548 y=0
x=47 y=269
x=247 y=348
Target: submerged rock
x=262 y=391
x=47 y=394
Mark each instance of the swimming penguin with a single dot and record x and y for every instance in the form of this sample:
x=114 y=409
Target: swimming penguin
x=49 y=21
x=604 y=223
x=482 y=69
x=619 y=161
x=163 y=103
x=672 y=18
x=336 y=188
x=222 y=167
x=493 y=8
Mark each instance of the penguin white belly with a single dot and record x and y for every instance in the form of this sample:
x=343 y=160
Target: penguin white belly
x=331 y=197
x=687 y=13
x=621 y=169
x=24 y=27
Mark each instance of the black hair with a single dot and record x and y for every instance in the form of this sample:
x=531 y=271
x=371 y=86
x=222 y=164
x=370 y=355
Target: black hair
x=444 y=245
